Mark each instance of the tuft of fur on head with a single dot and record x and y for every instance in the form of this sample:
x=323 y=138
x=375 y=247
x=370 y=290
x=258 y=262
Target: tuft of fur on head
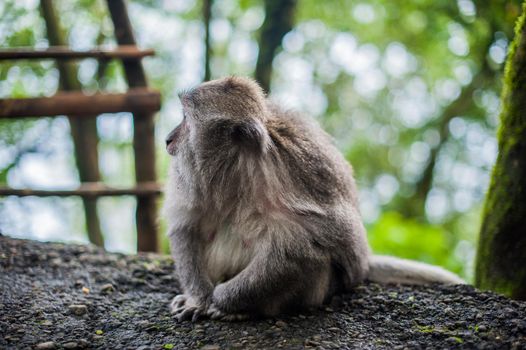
x=246 y=86
x=222 y=98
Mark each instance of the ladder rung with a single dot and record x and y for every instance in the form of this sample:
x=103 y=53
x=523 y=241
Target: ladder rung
x=76 y=103
x=64 y=52
x=87 y=189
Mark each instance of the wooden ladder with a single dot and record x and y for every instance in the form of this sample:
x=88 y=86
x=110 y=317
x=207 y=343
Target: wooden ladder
x=141 y=101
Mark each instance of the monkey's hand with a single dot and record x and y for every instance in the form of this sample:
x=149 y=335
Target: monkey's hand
x=216 y=313
x=185 y=307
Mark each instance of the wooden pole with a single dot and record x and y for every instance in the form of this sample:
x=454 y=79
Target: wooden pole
x=88 y=189
x=143 y=138
x=83 y=131
x=76 y=104
x=64 y=52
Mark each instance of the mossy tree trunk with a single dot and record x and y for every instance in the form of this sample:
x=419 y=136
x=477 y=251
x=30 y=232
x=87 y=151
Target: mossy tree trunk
x=501 y=255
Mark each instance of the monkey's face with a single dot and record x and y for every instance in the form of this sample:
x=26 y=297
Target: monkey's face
x=176 y=136
x=221 y=115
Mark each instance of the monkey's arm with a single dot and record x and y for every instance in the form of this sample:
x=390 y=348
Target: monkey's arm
x=272 y=279
x=187 y=250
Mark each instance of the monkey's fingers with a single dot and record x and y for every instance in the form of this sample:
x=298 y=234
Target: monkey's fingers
x=178 y=301
x=235 y=317
x=186 y=314
x=221 y=316
x=198 y=313
x=216 y=314
x=180 y=298
x=175 y=309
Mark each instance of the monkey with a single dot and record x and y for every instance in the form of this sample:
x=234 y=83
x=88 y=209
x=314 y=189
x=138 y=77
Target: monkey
x=263 y=212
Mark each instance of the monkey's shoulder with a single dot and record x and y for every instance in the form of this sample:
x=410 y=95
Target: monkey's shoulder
x=310 y=155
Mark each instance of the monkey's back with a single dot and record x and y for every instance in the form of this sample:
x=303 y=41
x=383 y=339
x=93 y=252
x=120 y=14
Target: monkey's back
x=321 y=177
x=318 y=169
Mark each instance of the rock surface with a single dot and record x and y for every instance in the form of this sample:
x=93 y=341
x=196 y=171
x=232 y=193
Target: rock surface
x=56 y=296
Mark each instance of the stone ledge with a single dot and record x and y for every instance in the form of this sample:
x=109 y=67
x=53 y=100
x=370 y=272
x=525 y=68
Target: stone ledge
x=65 y=296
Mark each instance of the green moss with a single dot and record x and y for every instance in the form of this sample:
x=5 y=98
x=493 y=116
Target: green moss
x=426 y=329
x=443 y=331
x=168 y=346
x=458 y=339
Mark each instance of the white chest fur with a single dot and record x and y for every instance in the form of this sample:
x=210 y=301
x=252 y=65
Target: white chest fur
x=227 y=254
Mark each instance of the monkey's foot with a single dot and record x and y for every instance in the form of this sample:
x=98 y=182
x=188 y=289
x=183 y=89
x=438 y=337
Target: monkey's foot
x=184 y=307
x=216 y=314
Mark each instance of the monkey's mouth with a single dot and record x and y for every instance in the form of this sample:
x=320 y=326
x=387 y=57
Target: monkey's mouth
x=173 y=137
x=170 y=142
x=170 y=148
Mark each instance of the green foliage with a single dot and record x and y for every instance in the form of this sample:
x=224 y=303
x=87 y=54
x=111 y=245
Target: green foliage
x=392 y=234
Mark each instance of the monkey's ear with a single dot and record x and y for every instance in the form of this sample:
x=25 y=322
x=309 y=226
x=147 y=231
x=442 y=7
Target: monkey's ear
x=250 y=135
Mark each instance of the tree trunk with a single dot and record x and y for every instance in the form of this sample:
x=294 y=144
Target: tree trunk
x=83 y=131
x=279 y=17
x=207 y=15
x=464 y=102
x=501 y=254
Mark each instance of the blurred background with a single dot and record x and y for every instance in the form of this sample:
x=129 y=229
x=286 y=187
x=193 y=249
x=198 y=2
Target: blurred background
x=409 y=90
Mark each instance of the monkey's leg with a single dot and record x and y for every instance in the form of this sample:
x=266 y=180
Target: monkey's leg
x=187 y=250
x=269 y=283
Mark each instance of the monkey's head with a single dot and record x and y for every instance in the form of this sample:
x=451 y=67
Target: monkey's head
x=227 y=114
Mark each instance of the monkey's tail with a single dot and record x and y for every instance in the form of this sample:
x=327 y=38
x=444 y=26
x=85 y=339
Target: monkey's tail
x=387 y=269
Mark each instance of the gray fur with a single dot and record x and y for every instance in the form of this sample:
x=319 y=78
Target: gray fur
x=263 y=209
x=388 y=269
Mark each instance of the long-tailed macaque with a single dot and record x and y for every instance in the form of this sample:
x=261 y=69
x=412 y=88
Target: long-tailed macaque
x=263 y=210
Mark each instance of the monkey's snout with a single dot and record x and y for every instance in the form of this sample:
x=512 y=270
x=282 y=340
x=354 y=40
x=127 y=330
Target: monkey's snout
x=171 y=139
x=170 y=143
